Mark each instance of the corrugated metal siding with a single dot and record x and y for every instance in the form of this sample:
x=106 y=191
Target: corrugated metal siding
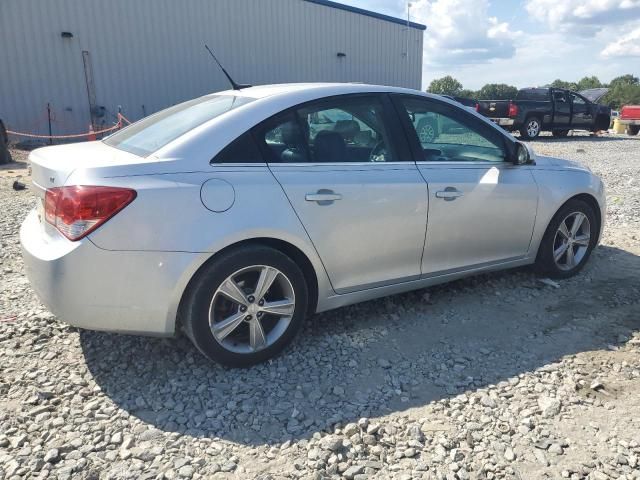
x=150 y=53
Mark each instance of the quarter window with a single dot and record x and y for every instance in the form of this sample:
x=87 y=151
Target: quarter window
x=446 y=134
x=242 y=150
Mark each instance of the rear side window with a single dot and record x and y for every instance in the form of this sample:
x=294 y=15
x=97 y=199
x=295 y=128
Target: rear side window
x=536 y=94
x=242 y=150
x=154 y=132
x=339 y=129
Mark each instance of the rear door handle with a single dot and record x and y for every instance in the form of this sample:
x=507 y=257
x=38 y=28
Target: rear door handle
x=323 y=197
x=449 y=194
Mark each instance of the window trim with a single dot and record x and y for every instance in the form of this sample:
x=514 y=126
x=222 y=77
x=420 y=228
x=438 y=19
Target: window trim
x=397 y=136
x=467 y=118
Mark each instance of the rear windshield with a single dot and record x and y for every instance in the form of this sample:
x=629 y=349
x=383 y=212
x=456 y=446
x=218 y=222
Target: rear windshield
x=533 y=94
x=154 y=132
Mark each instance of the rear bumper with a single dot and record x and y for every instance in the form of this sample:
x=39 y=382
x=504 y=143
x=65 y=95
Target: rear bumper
x=628 y=122
x=503 y=122
x=88 y=287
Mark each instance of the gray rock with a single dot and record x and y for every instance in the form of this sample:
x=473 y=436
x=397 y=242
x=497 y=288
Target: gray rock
x=352 y=471
x=52 y=456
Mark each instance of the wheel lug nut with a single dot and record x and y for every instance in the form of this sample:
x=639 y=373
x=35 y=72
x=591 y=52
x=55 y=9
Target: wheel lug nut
x=243 y=308
x=251 y=299
x=248 y=317
x=261 y=302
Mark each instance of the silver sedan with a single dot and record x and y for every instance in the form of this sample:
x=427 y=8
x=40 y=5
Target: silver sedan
x=233 y=216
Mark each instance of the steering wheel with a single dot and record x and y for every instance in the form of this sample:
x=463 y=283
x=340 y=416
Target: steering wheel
x=379 y=152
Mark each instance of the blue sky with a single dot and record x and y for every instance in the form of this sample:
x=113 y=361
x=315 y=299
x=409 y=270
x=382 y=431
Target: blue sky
x=522 y=42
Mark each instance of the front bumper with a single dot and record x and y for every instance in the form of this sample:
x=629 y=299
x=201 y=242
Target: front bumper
x=88 y=287
x=503 y=122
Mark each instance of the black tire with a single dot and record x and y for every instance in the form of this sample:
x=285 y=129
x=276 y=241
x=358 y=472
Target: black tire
x=545 y=262
x=529 y=131
x=560 y=133
x=195 y=311
x=633 y=129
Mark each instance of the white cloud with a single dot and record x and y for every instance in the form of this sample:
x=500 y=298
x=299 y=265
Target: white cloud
x=583 y=17
x=627 y=45
x=460 y=32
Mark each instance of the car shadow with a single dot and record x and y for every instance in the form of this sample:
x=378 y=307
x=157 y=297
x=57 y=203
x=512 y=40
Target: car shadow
x=376 y=358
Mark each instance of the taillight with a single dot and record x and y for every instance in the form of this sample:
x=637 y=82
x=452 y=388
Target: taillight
x=78 y=210
x=513 y=110
x=477 y=107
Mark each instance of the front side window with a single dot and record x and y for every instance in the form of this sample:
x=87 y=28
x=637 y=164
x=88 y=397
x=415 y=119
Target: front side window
x=446 y=134
x=339 y=130
x=154 y=132
x=578 y=100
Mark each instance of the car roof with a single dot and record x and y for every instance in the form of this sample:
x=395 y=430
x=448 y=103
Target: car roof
x=322 y=89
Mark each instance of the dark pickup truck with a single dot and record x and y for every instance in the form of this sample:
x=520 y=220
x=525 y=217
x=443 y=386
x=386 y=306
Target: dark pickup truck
x=535 y=110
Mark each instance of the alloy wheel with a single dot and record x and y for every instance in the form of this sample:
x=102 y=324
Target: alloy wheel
x=427 y=133
x=571 y=241
x=533 y=128
x=251 y=309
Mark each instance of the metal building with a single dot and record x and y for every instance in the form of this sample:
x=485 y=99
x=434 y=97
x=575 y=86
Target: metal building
x=87 y=58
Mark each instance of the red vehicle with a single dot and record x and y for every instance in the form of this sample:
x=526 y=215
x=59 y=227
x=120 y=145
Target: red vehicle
x=630 y=116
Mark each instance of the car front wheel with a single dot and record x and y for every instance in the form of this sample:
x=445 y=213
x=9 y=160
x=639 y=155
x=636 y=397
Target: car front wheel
x=567 y=244
x=246 y=306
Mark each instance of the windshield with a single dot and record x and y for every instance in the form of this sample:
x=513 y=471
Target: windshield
x=154 y=132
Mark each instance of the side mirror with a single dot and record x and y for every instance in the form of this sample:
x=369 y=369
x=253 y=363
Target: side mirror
x=522 y=156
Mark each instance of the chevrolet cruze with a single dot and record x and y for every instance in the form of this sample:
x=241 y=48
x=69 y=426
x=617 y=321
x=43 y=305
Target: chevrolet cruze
x=233 y=216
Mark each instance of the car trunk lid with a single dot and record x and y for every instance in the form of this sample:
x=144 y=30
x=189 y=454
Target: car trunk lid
x=52 y=166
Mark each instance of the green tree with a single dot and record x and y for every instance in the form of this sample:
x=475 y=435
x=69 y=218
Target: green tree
x=589 y=82
x=622 y=94
x=445 y=86
x=627 y=79
x=562 y=84
x=466 y=93
x=497 y=91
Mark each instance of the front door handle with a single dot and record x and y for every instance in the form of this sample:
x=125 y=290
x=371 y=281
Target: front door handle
x=323 y=197
x=449 y=194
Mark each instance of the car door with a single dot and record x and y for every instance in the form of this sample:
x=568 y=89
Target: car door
x=561 y=110
x=482 y=208
x=354 y=186
x=581 y=117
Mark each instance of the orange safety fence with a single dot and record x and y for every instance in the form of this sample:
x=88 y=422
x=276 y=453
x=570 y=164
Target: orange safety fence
x=89 y=134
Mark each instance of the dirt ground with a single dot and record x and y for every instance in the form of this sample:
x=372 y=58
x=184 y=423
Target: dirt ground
x=495 y=376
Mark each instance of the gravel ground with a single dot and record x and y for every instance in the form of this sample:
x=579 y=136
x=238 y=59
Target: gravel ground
x=496 y=376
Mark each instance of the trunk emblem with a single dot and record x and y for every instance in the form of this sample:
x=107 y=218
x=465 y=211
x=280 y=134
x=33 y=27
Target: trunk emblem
x=52 y=179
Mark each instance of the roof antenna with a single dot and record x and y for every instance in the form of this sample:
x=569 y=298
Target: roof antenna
x=236 y=86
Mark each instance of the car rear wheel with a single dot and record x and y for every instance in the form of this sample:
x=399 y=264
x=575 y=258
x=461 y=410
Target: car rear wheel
x=246 y=306
x=560 y=133
x=569 y=240
x=531 y=128
x=633 y=129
